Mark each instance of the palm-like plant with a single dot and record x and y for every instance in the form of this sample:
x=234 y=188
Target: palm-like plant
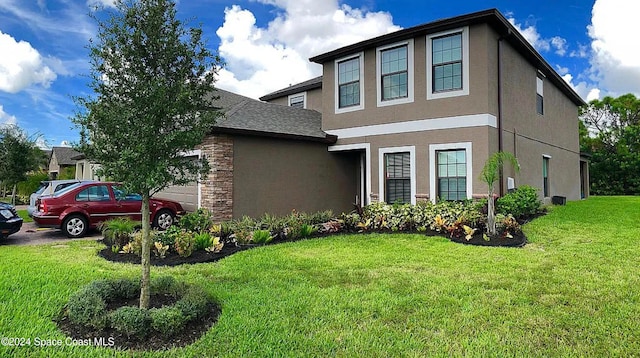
x=118 y=231
x=490 y=174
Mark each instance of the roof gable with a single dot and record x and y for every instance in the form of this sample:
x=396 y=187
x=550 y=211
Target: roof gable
x=64 y=155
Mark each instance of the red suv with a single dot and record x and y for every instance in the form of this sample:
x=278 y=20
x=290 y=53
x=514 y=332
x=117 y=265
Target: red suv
x=81 y=206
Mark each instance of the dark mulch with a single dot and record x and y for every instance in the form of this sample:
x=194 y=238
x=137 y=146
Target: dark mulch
x=156 y=341
x=518 y=240
x=172 y=258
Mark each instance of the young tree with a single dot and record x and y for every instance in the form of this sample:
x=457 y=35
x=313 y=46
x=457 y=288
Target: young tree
x=489 y=175
x=153 y=80
x=19 y=155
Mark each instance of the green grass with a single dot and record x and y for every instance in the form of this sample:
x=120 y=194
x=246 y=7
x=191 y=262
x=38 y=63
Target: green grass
x=25 y=216
x=573 y=291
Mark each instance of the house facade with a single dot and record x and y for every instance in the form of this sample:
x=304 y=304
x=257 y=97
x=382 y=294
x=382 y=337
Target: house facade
x=408 y=116
x=421 y=109
x=60 y=159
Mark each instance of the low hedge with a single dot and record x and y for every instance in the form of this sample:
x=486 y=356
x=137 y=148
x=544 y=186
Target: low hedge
x=88 y=307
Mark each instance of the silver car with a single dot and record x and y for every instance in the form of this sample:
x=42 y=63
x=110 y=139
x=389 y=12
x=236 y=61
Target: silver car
x=48 y=188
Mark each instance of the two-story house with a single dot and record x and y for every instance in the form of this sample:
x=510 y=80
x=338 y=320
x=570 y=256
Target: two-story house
x=421 y=110
x=408 y=116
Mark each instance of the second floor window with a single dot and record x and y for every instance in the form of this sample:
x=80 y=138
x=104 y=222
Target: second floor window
x=296 y=101
x=349 y=83
x=394 y=73
x=447 y=63
x=539 y=95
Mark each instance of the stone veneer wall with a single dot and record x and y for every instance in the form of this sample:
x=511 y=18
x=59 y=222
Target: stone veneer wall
x=217 y=188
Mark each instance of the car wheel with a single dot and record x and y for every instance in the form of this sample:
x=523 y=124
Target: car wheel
x=164 y=219
x=75 y=226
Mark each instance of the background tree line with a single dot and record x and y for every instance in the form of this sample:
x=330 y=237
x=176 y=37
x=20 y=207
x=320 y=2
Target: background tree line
x=610 y=133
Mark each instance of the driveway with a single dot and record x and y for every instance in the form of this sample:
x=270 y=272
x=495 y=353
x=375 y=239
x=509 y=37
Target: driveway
x=30 y=234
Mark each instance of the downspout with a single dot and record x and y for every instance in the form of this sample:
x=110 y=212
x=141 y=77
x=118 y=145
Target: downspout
x=500 y=139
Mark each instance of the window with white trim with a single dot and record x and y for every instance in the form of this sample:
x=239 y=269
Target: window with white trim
x=448 y=64
x=545 y=177
x=394 y=71
x=349 y=82
x=297 y=101
x=397 y=177
x=452 y=174
x=539 y=95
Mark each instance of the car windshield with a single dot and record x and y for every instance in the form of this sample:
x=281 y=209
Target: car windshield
x=67 y=189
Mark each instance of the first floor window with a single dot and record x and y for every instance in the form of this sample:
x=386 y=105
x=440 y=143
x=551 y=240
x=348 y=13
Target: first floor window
x=398 y=177
x=545 y=177
x=452 y=174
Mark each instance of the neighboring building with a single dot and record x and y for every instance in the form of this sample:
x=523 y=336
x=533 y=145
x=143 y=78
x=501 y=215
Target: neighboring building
x=307 y=94
x=419 y=111
x=61 y=158
x=85 y=169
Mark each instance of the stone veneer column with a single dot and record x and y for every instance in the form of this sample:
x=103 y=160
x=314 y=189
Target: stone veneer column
x=217 y=189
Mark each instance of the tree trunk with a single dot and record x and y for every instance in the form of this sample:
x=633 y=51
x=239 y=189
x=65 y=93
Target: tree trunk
x=13 y=195
x=145 y=285
x=491 y=214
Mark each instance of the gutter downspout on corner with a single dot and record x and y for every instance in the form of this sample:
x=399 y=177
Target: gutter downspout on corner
x=500 y=139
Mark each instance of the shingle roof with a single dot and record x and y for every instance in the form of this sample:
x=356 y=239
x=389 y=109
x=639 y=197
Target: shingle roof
x=293 y=89
x=64 y=155
x=249 y=116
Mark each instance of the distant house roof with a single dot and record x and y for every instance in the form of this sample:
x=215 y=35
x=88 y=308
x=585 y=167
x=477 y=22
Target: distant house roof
x=64 y=155
x=493 y=17
x=293 y=89
x=244 y=115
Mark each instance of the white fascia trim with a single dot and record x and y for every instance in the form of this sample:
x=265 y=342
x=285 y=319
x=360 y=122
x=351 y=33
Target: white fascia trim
x=433 y=149
x=410 y=58
x=336 y=85
x=304 y=98
x=367 y=151
x=474 y=120
x=381 y=167
x=465 y=65
x=193 y=153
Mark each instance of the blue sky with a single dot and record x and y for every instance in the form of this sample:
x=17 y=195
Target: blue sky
x=266 y=45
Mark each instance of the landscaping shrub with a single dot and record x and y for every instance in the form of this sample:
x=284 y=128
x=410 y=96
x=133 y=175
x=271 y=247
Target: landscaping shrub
x=167 y=320
x=202 y=241
x=117 y=232
x=123 y=287
x=167 y=285
x=185 y=243
x=168 y=237
x=243 y=229
x=132 y=321
x=275 y=225
x=321 y=217
x=520 y=203
x=262 y=237
x=194 y=304
x=199 y=221
x=87 y=307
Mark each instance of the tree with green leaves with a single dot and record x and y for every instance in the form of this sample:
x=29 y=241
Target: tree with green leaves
x=490 y=175
x=153 y=82
x=19 y=155
x=611 y=134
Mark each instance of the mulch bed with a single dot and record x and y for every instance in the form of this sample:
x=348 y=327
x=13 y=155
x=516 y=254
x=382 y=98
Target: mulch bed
x=113 y=339
x=172 y=258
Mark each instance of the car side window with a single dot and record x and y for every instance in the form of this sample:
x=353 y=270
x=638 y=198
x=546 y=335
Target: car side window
x=94 y=193
x=121 y=195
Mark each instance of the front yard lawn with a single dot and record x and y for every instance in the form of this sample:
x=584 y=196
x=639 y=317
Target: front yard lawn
x=574 y=290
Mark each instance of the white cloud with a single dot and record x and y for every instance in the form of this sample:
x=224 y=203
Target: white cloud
x=21 y=66
x=560 y=45
x=530 y=33
x=615 y=62
x=65 y=143
x=101 y=3
x=6 y=118
x=263 y=59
